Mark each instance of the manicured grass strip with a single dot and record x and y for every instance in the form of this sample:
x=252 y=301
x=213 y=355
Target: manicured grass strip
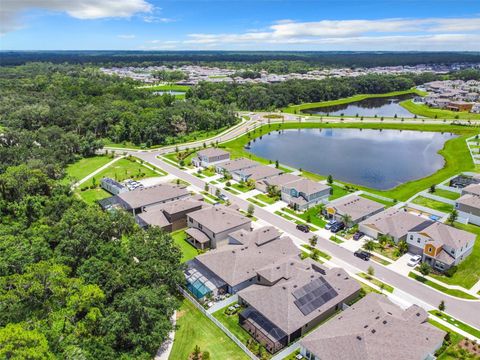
x=458 y=324
x=380 y=260
x=433 y=204
x=468 y=271
x=447 y=194
x=320 y=252
x=456 y=154
x=188 y=250
x=211 y=197
x=194 y=328
x=252 y=200
x=452 y=292
x=310 y=216
x=377 y=282
x=83 y=167
x=171 y=162
x=381 y=201
x=235 y=192
x=295 y=109
x=426 y=111
x=266 y=199
x=336 y=239
x=337 y=192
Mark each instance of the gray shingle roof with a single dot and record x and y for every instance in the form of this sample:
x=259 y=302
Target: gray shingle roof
x=259 y=172
x=281 y=179
x=211 y=152
x=237 y=164
x=375 y=329
x=469 y=200
x=306 y=186
x=277 y=302
x=152 y=195
x=219 y=218
x=237 y=263
x=448 y=235
x=473 y=189
x=355 y=206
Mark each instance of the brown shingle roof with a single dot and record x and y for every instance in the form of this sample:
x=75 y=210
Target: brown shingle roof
x=307 y=186
x=375 y=329
x=448 y=235
x=355 y=206
x=469 y=200
x=473 y=189
x=211 y=152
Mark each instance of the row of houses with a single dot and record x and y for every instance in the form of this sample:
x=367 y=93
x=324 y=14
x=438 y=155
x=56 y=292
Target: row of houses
x=300 y=193
x=284 y=298
x=454 y=95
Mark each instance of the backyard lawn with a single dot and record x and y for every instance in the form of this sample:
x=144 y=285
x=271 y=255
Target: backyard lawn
x=337 y=192
x=231 y=323
x=433 y=204
x=447 y=194
x=188 y=250
x=91 y=196
x=381 y=201
x=468 y=272
x=194 y=328
x=79 y=169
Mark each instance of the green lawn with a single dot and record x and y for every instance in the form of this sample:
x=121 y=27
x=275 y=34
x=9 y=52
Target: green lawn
x=194 y=328
x=231 y=323
x=86 y=166
x=335 y=239
x=389 y=251
x=445 y=353
x=320 y=252
x=337 y=192
x=296 y=109
x=310 y=216
x=456 y=153
x=381 y=201
x=426 y=111
x=188 y=250
x=91 y=196
x=241 y=187
x=468 y=272
x=266 y=199
x=456 y=323
x=447 y=194
x=452 y=292
x=254 y=201
x=121 y=170
x=377 y=282
x=380 y=260
x=433 y=204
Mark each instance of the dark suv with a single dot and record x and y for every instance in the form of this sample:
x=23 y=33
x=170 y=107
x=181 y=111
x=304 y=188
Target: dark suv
x=362 y=255
x=303 y=228
x=337 y=227
x=358 y=235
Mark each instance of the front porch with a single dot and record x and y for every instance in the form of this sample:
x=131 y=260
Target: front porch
x=197 y=238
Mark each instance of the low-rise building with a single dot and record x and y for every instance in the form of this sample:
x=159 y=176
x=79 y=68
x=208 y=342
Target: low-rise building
x=137 y=200
x=440 y=245
x=355 y=207
x=255 y=173
x=291 y=298
x=211 y=226
x=276 y=181
x=393 y=222
x=468 y=207
x=234 y=266
x=171 y=216
x=210 y=157
x=374 y=328
x=305 y=193
x=113 y=186
x=459 y=106
x=229 y=167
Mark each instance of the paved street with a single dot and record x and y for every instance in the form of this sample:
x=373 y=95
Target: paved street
x=465 y=310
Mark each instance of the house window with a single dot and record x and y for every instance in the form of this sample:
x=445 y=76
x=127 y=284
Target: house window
x=411 y=237
x=200 y=226
x=418 y=241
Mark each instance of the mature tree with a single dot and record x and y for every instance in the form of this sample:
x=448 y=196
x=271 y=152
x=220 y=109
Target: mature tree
x=371 y=271
x=402 y=246
x=313 y=240
x=441 y=306
x=369 y=245
x=250 y=210
x=330 y=179
x=16 y=342
x=452 y=217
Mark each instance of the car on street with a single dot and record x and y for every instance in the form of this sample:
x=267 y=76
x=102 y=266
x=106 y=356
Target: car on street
x=303 y=228
x=330 y=223
x=337 y=227
x=358 y=235
x=414 y=260
x=223 y=197
x=362 y=255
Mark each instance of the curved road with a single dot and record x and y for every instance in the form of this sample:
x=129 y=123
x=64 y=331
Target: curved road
x=467 y=311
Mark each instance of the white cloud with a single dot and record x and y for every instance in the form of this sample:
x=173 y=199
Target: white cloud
x=157 y=19
x=11 y=10
x=126 y=37
x=383 y=34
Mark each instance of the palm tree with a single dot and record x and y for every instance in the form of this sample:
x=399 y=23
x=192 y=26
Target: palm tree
x=369 y=245
x=347 y=219
x=403 y=247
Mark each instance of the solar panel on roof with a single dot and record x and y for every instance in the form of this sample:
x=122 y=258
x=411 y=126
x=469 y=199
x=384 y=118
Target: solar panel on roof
x=313 y=295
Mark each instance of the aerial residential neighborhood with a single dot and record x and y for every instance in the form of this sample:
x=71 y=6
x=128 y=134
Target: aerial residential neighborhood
x=240 y=180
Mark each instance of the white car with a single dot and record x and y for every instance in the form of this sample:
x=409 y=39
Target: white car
x=414 y=260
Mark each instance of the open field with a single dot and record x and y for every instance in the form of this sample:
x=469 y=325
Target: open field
x=456 y=153
x=296 y=109
x=79 y=169
x=468 y=272
x=426 y=111
x=194 y=328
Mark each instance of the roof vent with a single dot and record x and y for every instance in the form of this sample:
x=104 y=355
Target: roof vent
x=359 y=338
x=378 y=317
x=374 y=331
x=418 y=314
x=366 y=326
x=384 y=322
x=278 y=267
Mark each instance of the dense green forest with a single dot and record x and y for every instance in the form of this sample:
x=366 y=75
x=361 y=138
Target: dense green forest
x=278 y=95
x=274 y=61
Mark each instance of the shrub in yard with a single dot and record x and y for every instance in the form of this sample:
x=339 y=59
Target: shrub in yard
x=450 y=272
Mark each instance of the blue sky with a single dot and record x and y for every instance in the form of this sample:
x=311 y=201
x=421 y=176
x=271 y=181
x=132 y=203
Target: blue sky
x=240 y=25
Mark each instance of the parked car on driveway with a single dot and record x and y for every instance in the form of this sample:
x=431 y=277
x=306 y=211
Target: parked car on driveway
x=330 y=223
x=414 y=260
x=358 y=235
x=223 y=197
x=362 y=255
x=337 y=227
x=303 y=228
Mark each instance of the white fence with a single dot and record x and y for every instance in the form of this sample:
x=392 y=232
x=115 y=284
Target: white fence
x=219 y=324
